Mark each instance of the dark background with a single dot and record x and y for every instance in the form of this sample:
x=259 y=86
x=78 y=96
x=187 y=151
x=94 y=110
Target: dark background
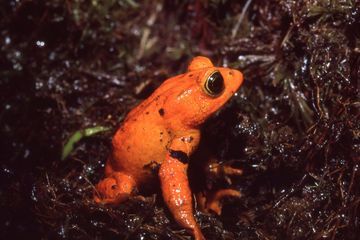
x=293 y=126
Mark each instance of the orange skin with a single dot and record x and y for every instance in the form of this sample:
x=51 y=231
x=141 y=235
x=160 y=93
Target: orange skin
x=162 y=132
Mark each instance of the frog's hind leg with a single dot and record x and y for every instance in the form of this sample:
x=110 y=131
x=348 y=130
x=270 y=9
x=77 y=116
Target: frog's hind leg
x=211 y=200
x=114 y=189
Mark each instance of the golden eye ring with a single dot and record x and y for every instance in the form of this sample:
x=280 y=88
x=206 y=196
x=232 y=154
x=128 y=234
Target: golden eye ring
x=214 y=84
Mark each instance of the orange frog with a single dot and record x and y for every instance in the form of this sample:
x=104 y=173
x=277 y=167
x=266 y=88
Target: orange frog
x=161 y=133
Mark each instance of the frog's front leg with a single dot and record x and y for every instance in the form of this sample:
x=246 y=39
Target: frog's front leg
x=175 y=185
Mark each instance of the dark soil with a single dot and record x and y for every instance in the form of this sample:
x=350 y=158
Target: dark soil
x=294 y=126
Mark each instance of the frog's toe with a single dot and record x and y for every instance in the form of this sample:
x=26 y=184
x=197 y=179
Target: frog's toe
x=212 y=202
x=224 y=170
x=198 y=234
x=230 y=171
x=106 y=191
x=114 y=189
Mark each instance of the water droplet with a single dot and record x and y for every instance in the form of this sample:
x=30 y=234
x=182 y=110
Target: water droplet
x=27 y=153
x=7 y=40
x=40 y=43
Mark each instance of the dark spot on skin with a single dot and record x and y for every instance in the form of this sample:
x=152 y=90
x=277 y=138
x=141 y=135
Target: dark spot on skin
x=230 y=73
x=179 y=155
x=161 y=112
x=134 y=119
x=113 y=187
x=190 y=75
x=128 y=148
x=147 y=113
x=161 y=136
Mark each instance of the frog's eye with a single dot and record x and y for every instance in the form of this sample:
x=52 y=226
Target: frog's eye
x=214 y=84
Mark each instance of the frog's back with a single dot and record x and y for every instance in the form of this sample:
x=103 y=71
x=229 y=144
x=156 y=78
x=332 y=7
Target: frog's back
x=139 y=145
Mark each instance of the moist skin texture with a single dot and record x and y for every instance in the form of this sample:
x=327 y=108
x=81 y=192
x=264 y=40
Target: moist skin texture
x=161 y=133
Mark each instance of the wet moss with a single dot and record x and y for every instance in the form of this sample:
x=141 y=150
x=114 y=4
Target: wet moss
x=293 y=127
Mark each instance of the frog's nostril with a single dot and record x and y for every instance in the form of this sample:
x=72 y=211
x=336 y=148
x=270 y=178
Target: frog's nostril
x=113 y=187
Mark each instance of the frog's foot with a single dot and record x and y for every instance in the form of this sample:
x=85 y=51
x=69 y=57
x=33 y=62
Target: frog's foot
x=216 y=170
x=114 y=189
x=219 y=169
x=212 y=202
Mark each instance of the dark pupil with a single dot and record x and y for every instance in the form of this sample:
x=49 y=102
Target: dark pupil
x=215 y=83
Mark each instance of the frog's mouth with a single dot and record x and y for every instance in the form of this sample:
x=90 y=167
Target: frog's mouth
x=236 y=81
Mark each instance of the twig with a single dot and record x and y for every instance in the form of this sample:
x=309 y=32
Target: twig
x=241 y=17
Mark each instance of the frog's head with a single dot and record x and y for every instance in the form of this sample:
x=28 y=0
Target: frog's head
x=204 y=89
